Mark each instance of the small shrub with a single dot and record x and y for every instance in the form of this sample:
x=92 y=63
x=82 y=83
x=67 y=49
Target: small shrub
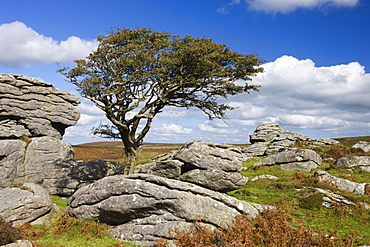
x=8 y=233
x=312 y=201
x=299 y=176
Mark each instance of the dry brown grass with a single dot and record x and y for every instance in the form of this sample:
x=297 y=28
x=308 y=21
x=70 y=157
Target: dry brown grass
x=113 y=151
x=272 y=229
x=8 y=233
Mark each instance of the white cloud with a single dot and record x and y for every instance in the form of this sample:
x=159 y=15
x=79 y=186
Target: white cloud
x=175 y=129
x=298 y=94
x=216 y=127
x=21 y=46
x=286 y=6
x=89 y=108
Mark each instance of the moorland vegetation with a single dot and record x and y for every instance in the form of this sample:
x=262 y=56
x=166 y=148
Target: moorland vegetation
x=301 y=218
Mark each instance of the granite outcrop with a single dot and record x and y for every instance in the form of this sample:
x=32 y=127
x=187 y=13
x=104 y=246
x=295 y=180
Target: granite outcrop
x=33 y=108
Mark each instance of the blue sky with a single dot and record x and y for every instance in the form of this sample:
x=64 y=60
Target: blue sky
x=317 y=53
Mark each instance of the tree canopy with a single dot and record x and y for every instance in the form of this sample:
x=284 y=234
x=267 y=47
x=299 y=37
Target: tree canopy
x=135 y=73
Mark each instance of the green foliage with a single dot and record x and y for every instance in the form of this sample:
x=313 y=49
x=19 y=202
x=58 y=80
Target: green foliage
x=8 y=233
x=141 y=71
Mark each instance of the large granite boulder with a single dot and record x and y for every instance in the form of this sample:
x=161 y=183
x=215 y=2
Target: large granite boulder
x=65 y=177
x=217 y=180
x=29 y=161
x=213 y=166
x=255 y=149
x=25 y=161
x=12 y=154
x=33 y=118
x=19 y=243
x=365 y=146
x=49 y=162
x=270 y=138
x=302 y=160
x=163 y=168
x=142 y=207
x=207 y=155
x=342 y=184
x=272 y=132
x=326 y=141
x=29 y=107
x=354 y=161
x=26 y=203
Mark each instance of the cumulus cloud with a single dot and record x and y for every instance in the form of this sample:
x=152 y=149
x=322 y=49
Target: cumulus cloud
x=21 y=46
x=174 y=129
x=286 y=6
x=299 y=95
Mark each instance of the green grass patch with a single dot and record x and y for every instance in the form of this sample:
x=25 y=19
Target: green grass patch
x=61 y=202
x=295 y=192
x=66 y=231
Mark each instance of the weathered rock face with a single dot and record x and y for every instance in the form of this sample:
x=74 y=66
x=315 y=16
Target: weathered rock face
x=272 y=132
x=144 y=207
x=331 y=199
x=33 y=118
x=217 y=180
x=365 y=146
x=29 y=107
x=256 y=149
x=28 y=203
x=22 y=162
x=49 y=162
x=269 y=138
x=166 y=168
x=264 y=177
x=12 y=154
x=207 y=155
x=342 y=184
x=19 y=243
x=213 y=166
x=326 y=141
x=349 y=162
x=65 y=177
x=293 y=160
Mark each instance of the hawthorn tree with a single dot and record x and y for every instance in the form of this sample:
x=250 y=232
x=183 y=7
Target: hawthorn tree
x=135 y=73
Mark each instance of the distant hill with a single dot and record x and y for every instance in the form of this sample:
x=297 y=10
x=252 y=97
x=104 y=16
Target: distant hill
x=350 y=141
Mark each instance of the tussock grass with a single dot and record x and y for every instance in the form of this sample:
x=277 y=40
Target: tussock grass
x=66 y=231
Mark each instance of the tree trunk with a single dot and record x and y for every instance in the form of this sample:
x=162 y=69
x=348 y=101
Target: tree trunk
x=131 y=154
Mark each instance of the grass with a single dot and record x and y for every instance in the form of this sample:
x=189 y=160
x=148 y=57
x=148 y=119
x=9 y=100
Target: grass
x=113 y=151
x=66 y=231
x=293 y=193
x=350 y=141
x=295 y=190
